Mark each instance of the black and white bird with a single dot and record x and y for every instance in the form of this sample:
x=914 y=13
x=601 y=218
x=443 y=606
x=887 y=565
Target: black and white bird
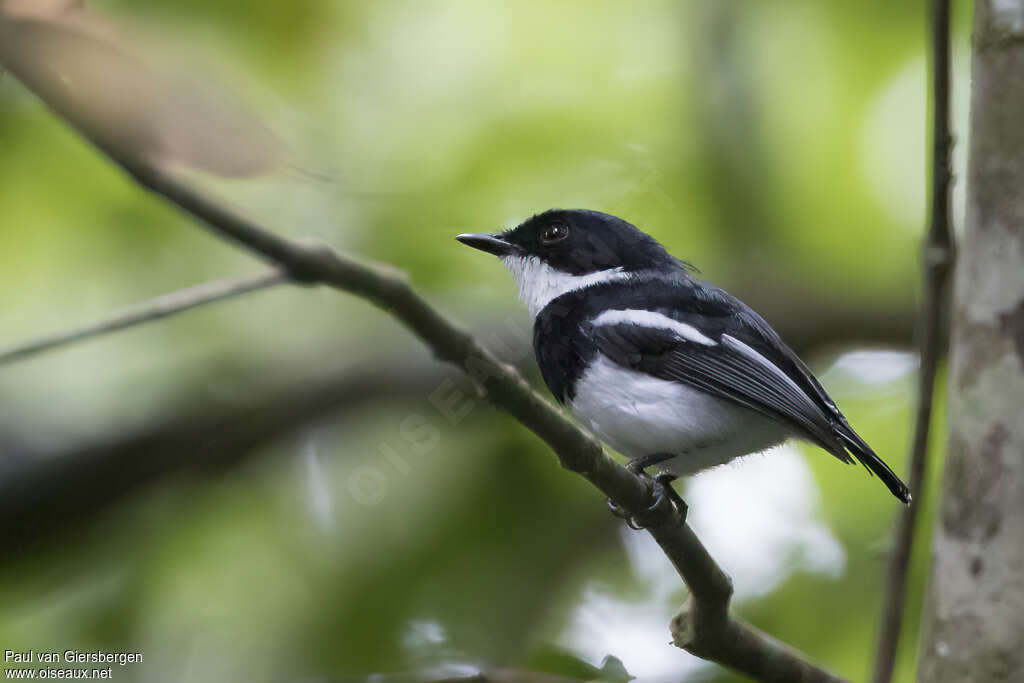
x=664 y=368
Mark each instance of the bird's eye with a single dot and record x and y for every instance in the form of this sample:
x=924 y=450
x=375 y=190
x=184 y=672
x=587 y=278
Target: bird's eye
x=556 y=232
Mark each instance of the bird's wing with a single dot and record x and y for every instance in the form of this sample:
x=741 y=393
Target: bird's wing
x=731 y=352
x=719 y=363
x=760 y=332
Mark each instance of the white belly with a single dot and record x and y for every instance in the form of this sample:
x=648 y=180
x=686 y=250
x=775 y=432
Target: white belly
x=639 y=415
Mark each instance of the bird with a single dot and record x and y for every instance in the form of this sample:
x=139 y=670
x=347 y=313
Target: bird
x=665 y=368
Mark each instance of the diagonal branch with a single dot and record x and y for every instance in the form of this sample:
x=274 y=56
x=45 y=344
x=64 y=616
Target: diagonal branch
x=160 y=307
x=706 y=629
x=939 y=254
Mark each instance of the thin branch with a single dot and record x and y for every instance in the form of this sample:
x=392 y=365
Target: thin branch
x=154 y=309
x=938 y=257
x=710 y=632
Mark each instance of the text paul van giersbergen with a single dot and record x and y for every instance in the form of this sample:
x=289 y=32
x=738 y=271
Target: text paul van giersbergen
x=72 y=657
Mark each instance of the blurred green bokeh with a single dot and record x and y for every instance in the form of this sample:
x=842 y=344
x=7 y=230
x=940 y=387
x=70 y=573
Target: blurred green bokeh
x=778 y=146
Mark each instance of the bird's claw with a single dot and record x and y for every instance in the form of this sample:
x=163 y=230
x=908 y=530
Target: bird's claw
x=661 y=491
x=621 y=513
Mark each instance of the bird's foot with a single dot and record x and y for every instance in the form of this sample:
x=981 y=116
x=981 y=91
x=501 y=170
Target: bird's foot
x=661 y=486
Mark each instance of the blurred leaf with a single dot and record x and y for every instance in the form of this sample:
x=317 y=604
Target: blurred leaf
x=83 y=71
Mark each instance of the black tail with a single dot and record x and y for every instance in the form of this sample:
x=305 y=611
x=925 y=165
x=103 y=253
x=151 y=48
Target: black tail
x=867 y=457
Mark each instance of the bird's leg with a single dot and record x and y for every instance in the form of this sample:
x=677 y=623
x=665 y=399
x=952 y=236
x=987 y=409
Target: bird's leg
x=662 y=486
x=665 y=479
x=638 y=465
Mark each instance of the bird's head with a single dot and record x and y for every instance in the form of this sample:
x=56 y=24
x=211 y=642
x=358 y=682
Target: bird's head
x=562 y=250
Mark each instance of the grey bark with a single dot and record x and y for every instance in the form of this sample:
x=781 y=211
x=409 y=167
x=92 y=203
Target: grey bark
x=975 y=615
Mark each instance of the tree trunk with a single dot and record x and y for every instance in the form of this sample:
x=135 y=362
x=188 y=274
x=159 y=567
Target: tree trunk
x=975 y=615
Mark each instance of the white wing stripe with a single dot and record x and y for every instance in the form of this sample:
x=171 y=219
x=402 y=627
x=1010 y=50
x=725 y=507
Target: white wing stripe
x=643 y=318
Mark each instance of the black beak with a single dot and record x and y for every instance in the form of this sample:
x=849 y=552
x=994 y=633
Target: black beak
x=492 y=244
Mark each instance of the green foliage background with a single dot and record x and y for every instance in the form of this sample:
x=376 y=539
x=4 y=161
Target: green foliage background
x=778 y=146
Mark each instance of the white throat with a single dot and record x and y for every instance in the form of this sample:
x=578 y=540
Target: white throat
x=539 y=283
